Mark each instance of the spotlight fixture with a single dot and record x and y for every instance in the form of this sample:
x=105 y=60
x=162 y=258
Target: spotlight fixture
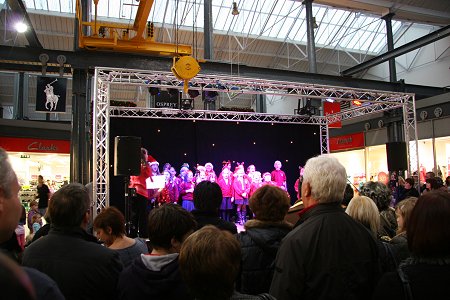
x=193 y=93
x=211 y=95
x=186 y=104
x=21 y=27
x=235 y=11
x=314 y=23
x=154 y=91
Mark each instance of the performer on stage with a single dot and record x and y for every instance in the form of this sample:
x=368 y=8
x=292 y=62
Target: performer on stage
x=139 y=201
x=298 y=183
x=251 y=169
x=241 y=187
x=187 y=191
x=256 y=183
x=278 y=176
x=210 y=174
x=226 y=185
x=169 y=194
x=267 y=179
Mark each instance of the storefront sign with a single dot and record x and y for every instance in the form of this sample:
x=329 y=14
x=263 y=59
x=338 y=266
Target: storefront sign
x=34 y=145
x=347 y=142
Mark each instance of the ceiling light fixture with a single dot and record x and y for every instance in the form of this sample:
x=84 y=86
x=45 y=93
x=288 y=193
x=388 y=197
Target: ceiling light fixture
x=235 y=11
x=21 y=27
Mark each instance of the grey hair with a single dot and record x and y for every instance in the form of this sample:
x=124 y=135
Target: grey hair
x=364 y=210
x=327 y=178
x=6 y=174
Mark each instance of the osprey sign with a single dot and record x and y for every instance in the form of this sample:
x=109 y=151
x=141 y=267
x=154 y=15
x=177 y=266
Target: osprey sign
x=51 y=94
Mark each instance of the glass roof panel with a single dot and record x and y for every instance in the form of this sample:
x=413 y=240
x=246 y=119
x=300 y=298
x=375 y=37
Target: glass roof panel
x=270 y=19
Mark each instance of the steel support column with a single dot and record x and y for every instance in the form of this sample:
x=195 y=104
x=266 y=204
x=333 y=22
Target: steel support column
x=18 y=113
x=390 y=46
x=208 y=30
x=79 y=165
x=310 y=37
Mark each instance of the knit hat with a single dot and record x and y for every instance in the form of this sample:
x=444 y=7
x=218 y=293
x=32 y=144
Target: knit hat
x=152 y=161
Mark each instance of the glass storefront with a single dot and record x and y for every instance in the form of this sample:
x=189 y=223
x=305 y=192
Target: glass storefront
x=371 y=163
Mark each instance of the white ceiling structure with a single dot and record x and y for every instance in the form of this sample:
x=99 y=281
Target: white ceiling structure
x=269 y=34
x=265 y=33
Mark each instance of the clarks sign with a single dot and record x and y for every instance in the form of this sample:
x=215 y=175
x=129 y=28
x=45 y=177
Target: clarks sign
x=347 y=142
x=14 y=144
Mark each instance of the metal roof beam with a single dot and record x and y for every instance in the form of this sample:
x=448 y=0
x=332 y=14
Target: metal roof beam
x=18 y=8
x=420 y=42
x=17 y=56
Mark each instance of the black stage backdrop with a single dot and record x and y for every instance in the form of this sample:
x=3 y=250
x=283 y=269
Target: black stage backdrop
x=199 y=142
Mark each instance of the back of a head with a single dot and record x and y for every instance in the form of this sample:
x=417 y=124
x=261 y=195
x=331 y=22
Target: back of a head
x=207 y=196
x=364 y=210
x=348 y=194
x=169 y=221
x=269 y=203
x=428 y=229
x=378 y=192
x=14 y=282
x=209 y=263
x=405 y=208
x=113 y=218
x=327 y=178
x=7 y=174
x=69 y=205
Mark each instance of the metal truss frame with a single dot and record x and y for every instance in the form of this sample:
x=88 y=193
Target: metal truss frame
x=373 y=101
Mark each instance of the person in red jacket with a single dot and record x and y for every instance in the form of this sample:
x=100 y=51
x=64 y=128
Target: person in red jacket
x=241 y=188
x=279 y=176
x=139 y=201
x=226 y=185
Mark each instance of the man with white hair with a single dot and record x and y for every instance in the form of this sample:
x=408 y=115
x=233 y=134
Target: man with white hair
x=328 y=254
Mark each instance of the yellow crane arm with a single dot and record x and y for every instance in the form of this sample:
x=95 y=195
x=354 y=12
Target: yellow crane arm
x=142 y=14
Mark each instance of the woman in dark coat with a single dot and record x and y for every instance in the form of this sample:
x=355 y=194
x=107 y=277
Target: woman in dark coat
x=425 y=275
x=262 y=238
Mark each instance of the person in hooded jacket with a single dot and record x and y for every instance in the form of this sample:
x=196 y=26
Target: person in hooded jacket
x=262 y=238
x=157 y=275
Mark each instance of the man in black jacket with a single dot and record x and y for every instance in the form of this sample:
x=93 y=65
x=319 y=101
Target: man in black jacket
x=327 y=255
x=82 y=268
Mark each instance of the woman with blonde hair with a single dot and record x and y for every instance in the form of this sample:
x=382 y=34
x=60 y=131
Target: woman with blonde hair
x=365 y=211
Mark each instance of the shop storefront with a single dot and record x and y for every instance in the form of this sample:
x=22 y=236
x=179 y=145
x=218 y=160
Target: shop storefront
x=364 y=154
x=31 y=157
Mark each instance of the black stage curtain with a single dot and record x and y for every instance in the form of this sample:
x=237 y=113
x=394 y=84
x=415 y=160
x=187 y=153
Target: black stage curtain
x=199 y=142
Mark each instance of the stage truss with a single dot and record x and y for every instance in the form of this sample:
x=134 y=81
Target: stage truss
x=373 y=101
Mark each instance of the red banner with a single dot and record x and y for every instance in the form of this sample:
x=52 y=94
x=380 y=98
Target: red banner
x=13 y=144
x=330 y=108
x=347 y=142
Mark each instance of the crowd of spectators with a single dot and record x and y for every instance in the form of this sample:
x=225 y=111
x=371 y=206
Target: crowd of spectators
x=342 y=246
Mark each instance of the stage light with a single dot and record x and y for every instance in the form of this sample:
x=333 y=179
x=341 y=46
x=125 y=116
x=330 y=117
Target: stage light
x=186 y=104
x=21 y=27
x=193 y=93
x=154 y=91
x=356 y=102
x=211 y=95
